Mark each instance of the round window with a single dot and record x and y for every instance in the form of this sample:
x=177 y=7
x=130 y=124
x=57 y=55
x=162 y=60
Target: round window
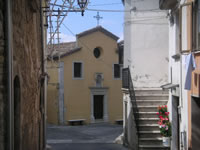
x=97 y=52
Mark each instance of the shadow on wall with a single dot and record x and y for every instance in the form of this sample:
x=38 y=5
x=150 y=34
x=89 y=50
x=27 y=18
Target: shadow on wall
x=17 y=110
x=130 y=130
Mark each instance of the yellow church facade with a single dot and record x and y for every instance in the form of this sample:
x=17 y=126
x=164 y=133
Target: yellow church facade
x=85 y=80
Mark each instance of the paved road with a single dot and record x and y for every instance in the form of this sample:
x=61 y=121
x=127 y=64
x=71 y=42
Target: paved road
x=89 y=137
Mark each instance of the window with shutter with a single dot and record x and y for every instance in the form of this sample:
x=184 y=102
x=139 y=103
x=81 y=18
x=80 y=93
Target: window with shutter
x=77 y=70
x=117 y=71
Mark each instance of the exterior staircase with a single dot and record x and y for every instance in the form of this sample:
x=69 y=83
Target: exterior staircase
x=148 y=101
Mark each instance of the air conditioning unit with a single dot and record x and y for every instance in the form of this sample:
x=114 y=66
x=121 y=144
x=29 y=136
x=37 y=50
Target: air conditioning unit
x=195 y=88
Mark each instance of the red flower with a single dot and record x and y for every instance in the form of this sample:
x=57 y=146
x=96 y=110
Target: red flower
x=157 y=113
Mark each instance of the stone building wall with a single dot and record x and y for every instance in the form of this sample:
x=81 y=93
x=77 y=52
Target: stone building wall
x=27 y=67
x=2 y=43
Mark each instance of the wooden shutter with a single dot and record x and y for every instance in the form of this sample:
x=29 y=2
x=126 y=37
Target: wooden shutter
x=186 y=27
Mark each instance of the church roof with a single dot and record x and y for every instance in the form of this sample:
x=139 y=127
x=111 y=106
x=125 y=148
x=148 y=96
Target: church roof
x=63 y=49
x=98 y=28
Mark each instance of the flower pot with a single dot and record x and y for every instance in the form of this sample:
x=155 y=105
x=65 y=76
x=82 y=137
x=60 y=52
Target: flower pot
x=166 y=141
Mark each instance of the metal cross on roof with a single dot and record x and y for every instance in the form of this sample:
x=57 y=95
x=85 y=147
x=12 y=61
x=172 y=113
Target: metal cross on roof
x=98 y=17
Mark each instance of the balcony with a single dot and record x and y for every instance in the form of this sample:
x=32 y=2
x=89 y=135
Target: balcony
x=167 y=4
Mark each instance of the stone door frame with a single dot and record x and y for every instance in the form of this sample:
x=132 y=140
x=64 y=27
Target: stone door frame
x=99 y=91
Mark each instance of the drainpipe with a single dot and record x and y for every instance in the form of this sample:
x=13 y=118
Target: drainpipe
x=9 y=56
x=43 y=74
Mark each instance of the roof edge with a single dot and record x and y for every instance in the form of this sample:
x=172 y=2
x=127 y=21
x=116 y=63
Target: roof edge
x=98 y=28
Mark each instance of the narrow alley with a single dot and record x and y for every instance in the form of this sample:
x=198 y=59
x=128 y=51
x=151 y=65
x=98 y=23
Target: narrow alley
x=100 y=136
x=99 y=74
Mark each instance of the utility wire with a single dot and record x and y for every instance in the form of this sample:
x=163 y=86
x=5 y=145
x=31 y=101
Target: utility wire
x=107 y=10
x=112 y=10
x=106 y=4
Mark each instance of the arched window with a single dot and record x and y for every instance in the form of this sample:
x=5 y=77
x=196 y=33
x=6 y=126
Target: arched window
x=97 y=52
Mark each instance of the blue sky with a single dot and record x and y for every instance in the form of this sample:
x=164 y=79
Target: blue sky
x=112 y=21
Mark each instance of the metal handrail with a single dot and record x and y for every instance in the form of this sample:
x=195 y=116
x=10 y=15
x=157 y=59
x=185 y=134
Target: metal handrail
x=127 y=83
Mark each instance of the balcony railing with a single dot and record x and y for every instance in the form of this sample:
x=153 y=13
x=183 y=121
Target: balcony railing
x=128 y=84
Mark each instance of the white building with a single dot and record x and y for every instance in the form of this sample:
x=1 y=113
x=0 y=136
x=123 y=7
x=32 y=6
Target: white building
x=183 y=41
x=146 y=55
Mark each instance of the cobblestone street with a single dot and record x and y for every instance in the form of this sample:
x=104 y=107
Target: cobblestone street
x=89 y=137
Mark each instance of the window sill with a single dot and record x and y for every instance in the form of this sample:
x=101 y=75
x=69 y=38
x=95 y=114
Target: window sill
x=77 y=78
x=117 y=78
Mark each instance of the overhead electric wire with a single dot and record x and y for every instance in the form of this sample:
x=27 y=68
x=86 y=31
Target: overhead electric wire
x=106 y=4
x=107 y=10
x=111 y=10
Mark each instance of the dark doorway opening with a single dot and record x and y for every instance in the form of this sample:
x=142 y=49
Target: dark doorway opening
x=175 y=124
x=98 y=106
x=195 y=123
x=17 y=118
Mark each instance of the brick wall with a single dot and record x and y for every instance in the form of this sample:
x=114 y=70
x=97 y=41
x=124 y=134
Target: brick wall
x=2 y=121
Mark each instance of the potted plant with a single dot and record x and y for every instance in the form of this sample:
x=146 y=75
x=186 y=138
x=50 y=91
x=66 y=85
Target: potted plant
x=164 y=125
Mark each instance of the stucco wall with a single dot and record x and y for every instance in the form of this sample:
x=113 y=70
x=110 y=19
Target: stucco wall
x=27 y=65
x=52 y=93
x=78 y=94
x=129 y=126
x=177 y=71
x=146 y=43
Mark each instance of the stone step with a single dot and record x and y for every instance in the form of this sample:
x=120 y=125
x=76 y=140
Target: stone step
x=153 y=147
x=150 y=90
x=147 y=114
x=151 y=102
x=152 y=97
x=148 y=127
x=148 y=108
x=147 y=121
x=151 y=141
x=149 y=134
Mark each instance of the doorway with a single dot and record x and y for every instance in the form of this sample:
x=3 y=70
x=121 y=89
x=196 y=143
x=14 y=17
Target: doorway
x=175 y=124
x=195 y=123
x=98 y=106
x=17 y=122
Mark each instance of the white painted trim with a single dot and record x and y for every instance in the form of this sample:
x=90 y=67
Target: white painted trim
x=82 y=70
x=99 y=91
x=113 y=67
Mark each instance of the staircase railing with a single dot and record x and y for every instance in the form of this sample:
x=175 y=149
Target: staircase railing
x=127 y=83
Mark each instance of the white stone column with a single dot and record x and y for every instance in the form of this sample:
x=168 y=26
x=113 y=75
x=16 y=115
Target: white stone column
x=92 y=119
x=105 y=108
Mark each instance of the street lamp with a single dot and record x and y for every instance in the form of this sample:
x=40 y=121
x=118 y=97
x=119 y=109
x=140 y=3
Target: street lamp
x=82 y=4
